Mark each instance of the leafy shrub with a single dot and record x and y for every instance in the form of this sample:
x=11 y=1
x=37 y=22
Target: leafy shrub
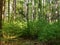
x=40 y=30
x=14 y=29
x=50 y=32
x=36 y=27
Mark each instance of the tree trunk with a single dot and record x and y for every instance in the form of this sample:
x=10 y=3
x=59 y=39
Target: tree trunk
x=39 y=9
x=8 y=9
x=14 y=9
x=3 y=16
x=1 y=5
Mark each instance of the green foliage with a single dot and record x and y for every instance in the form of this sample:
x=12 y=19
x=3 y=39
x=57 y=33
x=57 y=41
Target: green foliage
x=14 y=29
x=36 y=27
x=40 y=30
x=50 y=32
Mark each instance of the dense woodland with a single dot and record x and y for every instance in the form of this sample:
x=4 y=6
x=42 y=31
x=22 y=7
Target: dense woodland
x=30 y=19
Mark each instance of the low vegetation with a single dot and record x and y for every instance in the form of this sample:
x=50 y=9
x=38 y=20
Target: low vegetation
x=40 y=30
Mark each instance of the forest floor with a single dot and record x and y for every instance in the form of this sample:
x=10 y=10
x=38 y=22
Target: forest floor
x=21 y=42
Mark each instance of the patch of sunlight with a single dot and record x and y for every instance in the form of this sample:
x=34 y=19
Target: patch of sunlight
x=22 y=24
x=15 y=22
x=7 y=36
x=51 y=23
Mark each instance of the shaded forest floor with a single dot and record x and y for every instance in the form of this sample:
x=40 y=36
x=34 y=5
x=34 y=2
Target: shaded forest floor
x=22 y=41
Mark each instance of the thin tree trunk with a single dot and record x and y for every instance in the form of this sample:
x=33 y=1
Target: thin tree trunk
x=34 y=10
x=8 y=10
x=14 y=9
x=39 y=9
x=3 y=16
x=27 y=14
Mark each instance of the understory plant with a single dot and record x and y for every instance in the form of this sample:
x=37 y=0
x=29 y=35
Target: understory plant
x=13 y=29
x=51 y=32
x=40 y=30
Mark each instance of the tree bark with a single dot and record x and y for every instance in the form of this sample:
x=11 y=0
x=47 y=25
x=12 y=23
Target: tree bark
x=8 y=9
x=1 y=5
x=14 y=8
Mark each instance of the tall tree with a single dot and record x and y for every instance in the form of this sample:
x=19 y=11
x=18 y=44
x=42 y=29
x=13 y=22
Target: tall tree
x=14 y=8
x=39 y=9
x=1 y=6
x=4 y=5
x=8 y=9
